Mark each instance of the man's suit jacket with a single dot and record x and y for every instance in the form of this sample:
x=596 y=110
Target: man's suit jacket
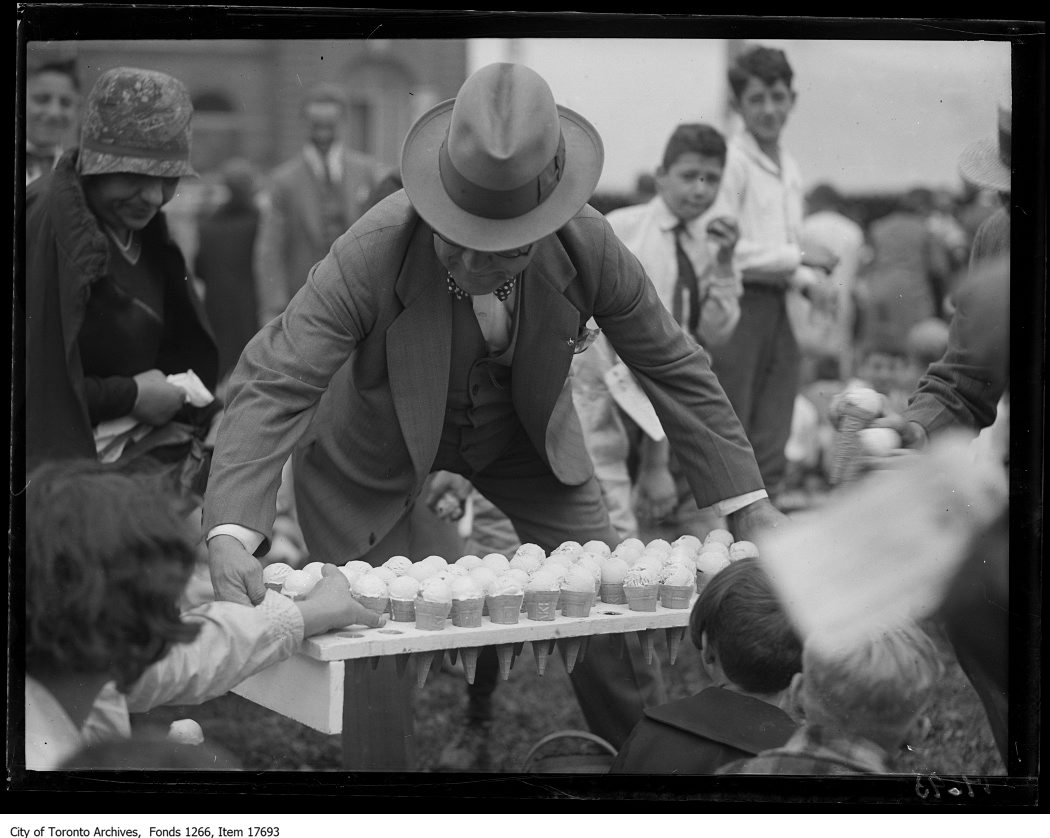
x=291 y=233
x=356 y=371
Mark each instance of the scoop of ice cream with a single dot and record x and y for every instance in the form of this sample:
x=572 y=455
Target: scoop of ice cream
x=681 y=555
x=518 y=574
x=464 y=587
x=659 y=545
x=185 y=732
x=436 y=562
x=599 y=548
x=276 y=573
x=742 y=550
x=879 y=442
x=529 y=562
x=370 y=584
x=543 y=581
x=505 y=585
x=404 y=587
x=564 y=559
x=716 y=547
x=629 y=549
x=710 y=562
x=454 y=570
x=468 y=562
x=436 y=590
x=613 y=571
x=578 y=579
x=496 y=562
x=483 y=576
x=398 y=564
x=555 y=569
x=351 y=575
x=357 y=567
x=384 y=573
x=531 y=550
x=591 y=563
x=421 y=572
x=638 y=576
x=688 y=542
x=649 y=565
x=573 y=547
x=863 y=397
x=298 y=582
x=679 y=575
x=315 y=569
x=719 y=536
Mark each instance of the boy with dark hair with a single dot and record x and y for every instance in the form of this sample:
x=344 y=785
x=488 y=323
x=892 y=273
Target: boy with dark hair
x=750 y=652
x=758 y=366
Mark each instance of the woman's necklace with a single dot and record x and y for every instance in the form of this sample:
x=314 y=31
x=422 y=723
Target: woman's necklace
x=131 y=249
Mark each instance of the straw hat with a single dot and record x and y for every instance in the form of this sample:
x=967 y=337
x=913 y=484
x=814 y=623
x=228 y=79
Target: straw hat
x=986 y=163
x=501 y=165
x=136 y=122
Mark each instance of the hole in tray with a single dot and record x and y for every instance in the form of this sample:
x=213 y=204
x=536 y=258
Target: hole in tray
x=348 y=634
x=610 y=613
x=390 y=631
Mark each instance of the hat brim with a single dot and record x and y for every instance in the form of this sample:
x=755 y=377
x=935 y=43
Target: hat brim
x=101 y=163
x=980 y=165
x=584 y=157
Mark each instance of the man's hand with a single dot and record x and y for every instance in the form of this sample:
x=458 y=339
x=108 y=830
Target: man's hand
x=236 y=575
x=446 y=495
x=746 y=523
x=330 y=606
x=724 y=232
x=157 y=401
x=816 y=255
x=655 y=495
x=912 y=434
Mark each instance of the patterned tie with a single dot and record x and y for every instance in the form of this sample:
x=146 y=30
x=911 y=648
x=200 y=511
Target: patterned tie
x=501 y=293
x=687 y=281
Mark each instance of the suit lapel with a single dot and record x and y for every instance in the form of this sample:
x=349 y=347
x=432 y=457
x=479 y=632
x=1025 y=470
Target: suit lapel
x=418 y=348
x=547 y=328
x=310 y=201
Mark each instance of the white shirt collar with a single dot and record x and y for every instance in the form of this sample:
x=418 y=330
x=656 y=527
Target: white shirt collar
x=747 y=143
x=334 y=158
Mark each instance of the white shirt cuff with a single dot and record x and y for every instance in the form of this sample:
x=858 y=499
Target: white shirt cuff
x=249 y=538
x=730 y=505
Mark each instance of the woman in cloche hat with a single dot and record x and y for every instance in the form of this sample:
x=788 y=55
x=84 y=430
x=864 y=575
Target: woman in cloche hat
x=109 y=309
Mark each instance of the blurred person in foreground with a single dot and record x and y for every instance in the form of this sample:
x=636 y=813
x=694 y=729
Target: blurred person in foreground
x=110 y=313
x=438 y=335
x=759 y=364
x=750 y=652
x=108 y=555
x=52 y=100
x=862 y=701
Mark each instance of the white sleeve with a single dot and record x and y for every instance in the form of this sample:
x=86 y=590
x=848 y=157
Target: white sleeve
x=249 y=538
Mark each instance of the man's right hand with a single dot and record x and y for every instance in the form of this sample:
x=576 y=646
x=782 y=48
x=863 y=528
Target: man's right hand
x=236 y=575
x=157 y=401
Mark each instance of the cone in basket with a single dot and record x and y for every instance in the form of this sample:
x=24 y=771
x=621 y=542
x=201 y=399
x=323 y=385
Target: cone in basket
x=641 y=597
x=676 y=596
x=403 y=610
x=612 y=593
x=505 y=654
x=541 y=605
x=570 y=648
x=375 y=603
x=504 y=609
x=674 y=636
x=466 y=613
x=848 y=450
x=576 y=603
x=470 y=664
x=432 y=616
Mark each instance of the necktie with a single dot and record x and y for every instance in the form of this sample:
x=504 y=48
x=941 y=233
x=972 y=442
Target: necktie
x=687 y=282
x=501 y=293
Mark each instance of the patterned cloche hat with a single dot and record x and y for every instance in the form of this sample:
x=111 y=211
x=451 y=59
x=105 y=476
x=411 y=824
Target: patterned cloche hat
x=138 y=122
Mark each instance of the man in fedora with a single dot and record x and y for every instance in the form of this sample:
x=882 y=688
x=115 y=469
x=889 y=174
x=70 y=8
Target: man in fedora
x=438 y=335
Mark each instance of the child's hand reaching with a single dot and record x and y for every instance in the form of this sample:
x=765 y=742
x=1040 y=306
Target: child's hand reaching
x=724 y=232
x=329 y=605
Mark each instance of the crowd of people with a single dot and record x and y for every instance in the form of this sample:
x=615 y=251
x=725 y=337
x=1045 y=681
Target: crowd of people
x=463 y=355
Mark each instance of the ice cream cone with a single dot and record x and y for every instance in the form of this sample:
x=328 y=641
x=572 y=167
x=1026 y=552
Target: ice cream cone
x=424 y=660
x=505 y=653
x=374 y=662
x=641 y=597
x=275 y=586
x=674 y=636
x=467 y=612
x=646 y=638
x=470 y=664
x=541 y=605
x=676 y=596
x=571 y=650
x=848 y=450
x=374 y=603
x=401 y=664
x=432 y=616
x=576 y=603
x=542 y=649
x=359 y=666
x=585 y=641
x=403 y=610
x=452 y=655
x=504 y=609
x=612 y=594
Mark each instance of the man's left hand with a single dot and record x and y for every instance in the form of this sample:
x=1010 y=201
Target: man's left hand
x=655 y=495
x=724 y=232
x=746 y=523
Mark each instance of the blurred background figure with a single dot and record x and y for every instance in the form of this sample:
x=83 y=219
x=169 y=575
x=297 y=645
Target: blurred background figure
x=907 y=278
x=224 y=263
x=829 y=336
x=312 y=200
x=52 y=100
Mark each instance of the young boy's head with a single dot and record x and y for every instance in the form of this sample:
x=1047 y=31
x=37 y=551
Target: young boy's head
x=876 y=688
x=691 y=171
x=883 y=367
x=107 y=557
x=760 y=79
x=742 y=631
